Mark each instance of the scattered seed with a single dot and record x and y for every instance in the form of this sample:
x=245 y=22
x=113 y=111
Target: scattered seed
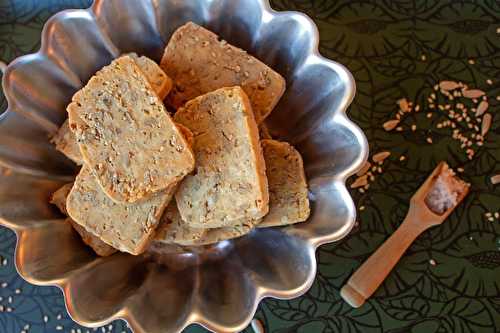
x=403 y=105
x=471 y=61
x=497 y=215
x=402 y=158
x=432 y=262
x=486 y=124
x=448 y=85
x=429 y=115
x=423 y=57
x=413 y=127
x=473 y=93
x=361 y=208
x=360 y=181
x=364 y=169
x=380 y=157
x=399 y=129
x=429 y=140
x=495 y=179
x=489 y=82
x=391 y=124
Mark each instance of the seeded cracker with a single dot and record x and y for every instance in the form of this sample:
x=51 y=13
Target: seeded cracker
x=288 y=202
x=229 y=182
x=125 y=134
x=219 y=234
x=65 y=139
x=173 y=230
x=198 y=63
x=66 y=143
x=160 y=82
x=59 y=199
x=127 y=227
x=100 y=248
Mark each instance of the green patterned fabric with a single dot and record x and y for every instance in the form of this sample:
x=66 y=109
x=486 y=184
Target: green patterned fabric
x=449 y=280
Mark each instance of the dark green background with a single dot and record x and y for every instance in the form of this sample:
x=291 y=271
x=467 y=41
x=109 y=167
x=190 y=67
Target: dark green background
x=394 y=49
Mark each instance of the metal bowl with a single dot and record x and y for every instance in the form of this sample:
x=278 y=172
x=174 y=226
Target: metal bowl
x=165 y=290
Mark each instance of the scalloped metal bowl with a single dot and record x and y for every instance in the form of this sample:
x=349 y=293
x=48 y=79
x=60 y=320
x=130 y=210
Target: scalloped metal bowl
x=218 y=287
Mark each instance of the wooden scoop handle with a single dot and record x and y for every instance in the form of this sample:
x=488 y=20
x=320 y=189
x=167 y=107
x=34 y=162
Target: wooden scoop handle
x=373 y=271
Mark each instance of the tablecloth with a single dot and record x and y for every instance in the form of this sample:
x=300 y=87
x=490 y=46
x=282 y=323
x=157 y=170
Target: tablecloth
x=404 y=56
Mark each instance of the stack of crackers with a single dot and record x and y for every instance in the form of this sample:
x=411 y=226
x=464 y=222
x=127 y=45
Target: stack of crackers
x=197 y=176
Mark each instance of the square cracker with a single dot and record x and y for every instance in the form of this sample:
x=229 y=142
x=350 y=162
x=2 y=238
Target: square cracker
x=229 y=183
x=128 y=227
x=66 y=143
x=65 y=139
x=199 y=62
x=173 y=230
x=160 y=82
x=288 y=201
x=125 y=135
x=100 y=248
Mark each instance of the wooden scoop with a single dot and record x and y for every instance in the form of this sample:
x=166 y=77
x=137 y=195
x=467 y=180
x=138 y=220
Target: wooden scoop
x=420 y=217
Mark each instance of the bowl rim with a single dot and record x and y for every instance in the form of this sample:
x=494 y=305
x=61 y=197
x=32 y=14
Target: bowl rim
x=340 y=116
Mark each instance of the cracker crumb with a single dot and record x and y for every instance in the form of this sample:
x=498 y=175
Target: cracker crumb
x=364 y=169
x=380 y=157
x=257 y=326
x=391 y=124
